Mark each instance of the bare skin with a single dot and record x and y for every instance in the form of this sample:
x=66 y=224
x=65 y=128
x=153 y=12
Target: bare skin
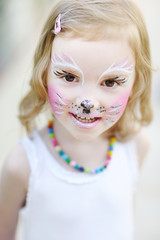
x=15 y=178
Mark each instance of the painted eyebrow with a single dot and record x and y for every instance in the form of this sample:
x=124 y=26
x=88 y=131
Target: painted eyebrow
x=124 y=66
x=65 y=61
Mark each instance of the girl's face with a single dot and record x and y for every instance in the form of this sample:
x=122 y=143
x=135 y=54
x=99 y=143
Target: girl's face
x=89 y=83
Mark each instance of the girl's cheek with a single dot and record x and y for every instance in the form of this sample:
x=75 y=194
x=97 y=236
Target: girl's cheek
x=115 y=111
x=57 y=101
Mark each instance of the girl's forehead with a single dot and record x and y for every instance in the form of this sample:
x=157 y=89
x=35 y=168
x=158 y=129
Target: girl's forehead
x=105 y=52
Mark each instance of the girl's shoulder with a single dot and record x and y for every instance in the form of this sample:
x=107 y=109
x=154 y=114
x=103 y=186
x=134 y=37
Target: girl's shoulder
x=16 y=163
x=15 y=174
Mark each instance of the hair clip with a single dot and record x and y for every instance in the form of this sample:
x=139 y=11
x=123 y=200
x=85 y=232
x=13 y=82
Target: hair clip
x=57 y=26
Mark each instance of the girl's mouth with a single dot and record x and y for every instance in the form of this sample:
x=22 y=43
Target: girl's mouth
x=85 y=122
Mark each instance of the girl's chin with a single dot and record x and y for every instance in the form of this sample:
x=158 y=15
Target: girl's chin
x=82 y=130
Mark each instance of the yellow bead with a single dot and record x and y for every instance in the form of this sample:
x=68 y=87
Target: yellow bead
x=110 y=153
x=50 y=122
x=112 y=139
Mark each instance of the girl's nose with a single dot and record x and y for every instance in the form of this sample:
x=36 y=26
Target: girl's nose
x=90 y=100
x=87 y=105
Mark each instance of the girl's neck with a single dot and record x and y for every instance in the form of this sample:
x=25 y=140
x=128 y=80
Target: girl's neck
x=90 y=154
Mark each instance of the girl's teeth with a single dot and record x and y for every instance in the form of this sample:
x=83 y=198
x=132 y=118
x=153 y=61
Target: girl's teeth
x=85 y=119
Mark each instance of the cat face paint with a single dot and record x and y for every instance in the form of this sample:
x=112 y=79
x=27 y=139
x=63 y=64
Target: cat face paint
x=115 y=111
x=89 y=71
x=57 y=101
x=125 y=67
x=65 y=62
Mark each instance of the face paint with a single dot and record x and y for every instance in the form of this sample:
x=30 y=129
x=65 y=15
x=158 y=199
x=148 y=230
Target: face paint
x=115 y=111
x=57 y=101
x=65 y=62
x=124 y=66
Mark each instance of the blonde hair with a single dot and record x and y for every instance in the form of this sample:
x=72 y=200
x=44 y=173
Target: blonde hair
x=95 y=19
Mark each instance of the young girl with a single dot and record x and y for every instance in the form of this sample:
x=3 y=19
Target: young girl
x=76 y=178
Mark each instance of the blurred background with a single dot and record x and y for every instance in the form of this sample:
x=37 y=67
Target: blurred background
x=20 y=25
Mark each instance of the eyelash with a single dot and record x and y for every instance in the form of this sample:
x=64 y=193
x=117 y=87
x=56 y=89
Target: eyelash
x=113 y=81
x=65 y=74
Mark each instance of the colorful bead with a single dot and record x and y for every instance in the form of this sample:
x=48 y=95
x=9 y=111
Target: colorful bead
x=68 y=160
x=51 y=135
x=61 y=153
x=110 y=153
x=65 y=157
x=73 y=163
x=81 y=169
x=76 y=167
x=50 y=130
x=58 y=148
x=54 y=141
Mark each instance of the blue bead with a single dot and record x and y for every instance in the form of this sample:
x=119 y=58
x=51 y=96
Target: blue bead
x=50 y=130
x=101 y=169
x=64 y=156
x=111 y=148
x=61 y=153
x=76 y=167
x=97 y=170
x=81 y=169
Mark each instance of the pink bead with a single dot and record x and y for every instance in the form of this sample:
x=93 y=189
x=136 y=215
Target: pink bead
x=107 y=162
x=72 y=164
x=109 y=158
x=54 y=141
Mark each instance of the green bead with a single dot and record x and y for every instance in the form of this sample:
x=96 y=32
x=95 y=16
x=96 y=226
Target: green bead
x=86 y=170
x=68 y=160
x=51 y=135
x=112 y=144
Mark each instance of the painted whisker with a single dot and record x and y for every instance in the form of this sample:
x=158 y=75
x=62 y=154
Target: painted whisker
x=60 y=99
x=59 y=107
x=59 y=104
x=59 y=112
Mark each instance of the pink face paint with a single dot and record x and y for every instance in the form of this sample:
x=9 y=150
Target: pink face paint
x=65 y=62
x=115 y=111
x=57 y=101
x=67 y=59
x=125 y=67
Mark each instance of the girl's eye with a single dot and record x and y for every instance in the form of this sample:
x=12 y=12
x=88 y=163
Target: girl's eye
x=109 y=83
x=113 y=82
x=68 y=77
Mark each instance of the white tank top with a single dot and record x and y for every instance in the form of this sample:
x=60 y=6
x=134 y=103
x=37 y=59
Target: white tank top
x=77 y=206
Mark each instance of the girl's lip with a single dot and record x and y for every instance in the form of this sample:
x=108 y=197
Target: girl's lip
x=85 y=125
x=86 y=115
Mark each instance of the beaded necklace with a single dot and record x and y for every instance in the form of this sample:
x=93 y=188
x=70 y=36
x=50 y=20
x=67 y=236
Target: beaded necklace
x=72 y=163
